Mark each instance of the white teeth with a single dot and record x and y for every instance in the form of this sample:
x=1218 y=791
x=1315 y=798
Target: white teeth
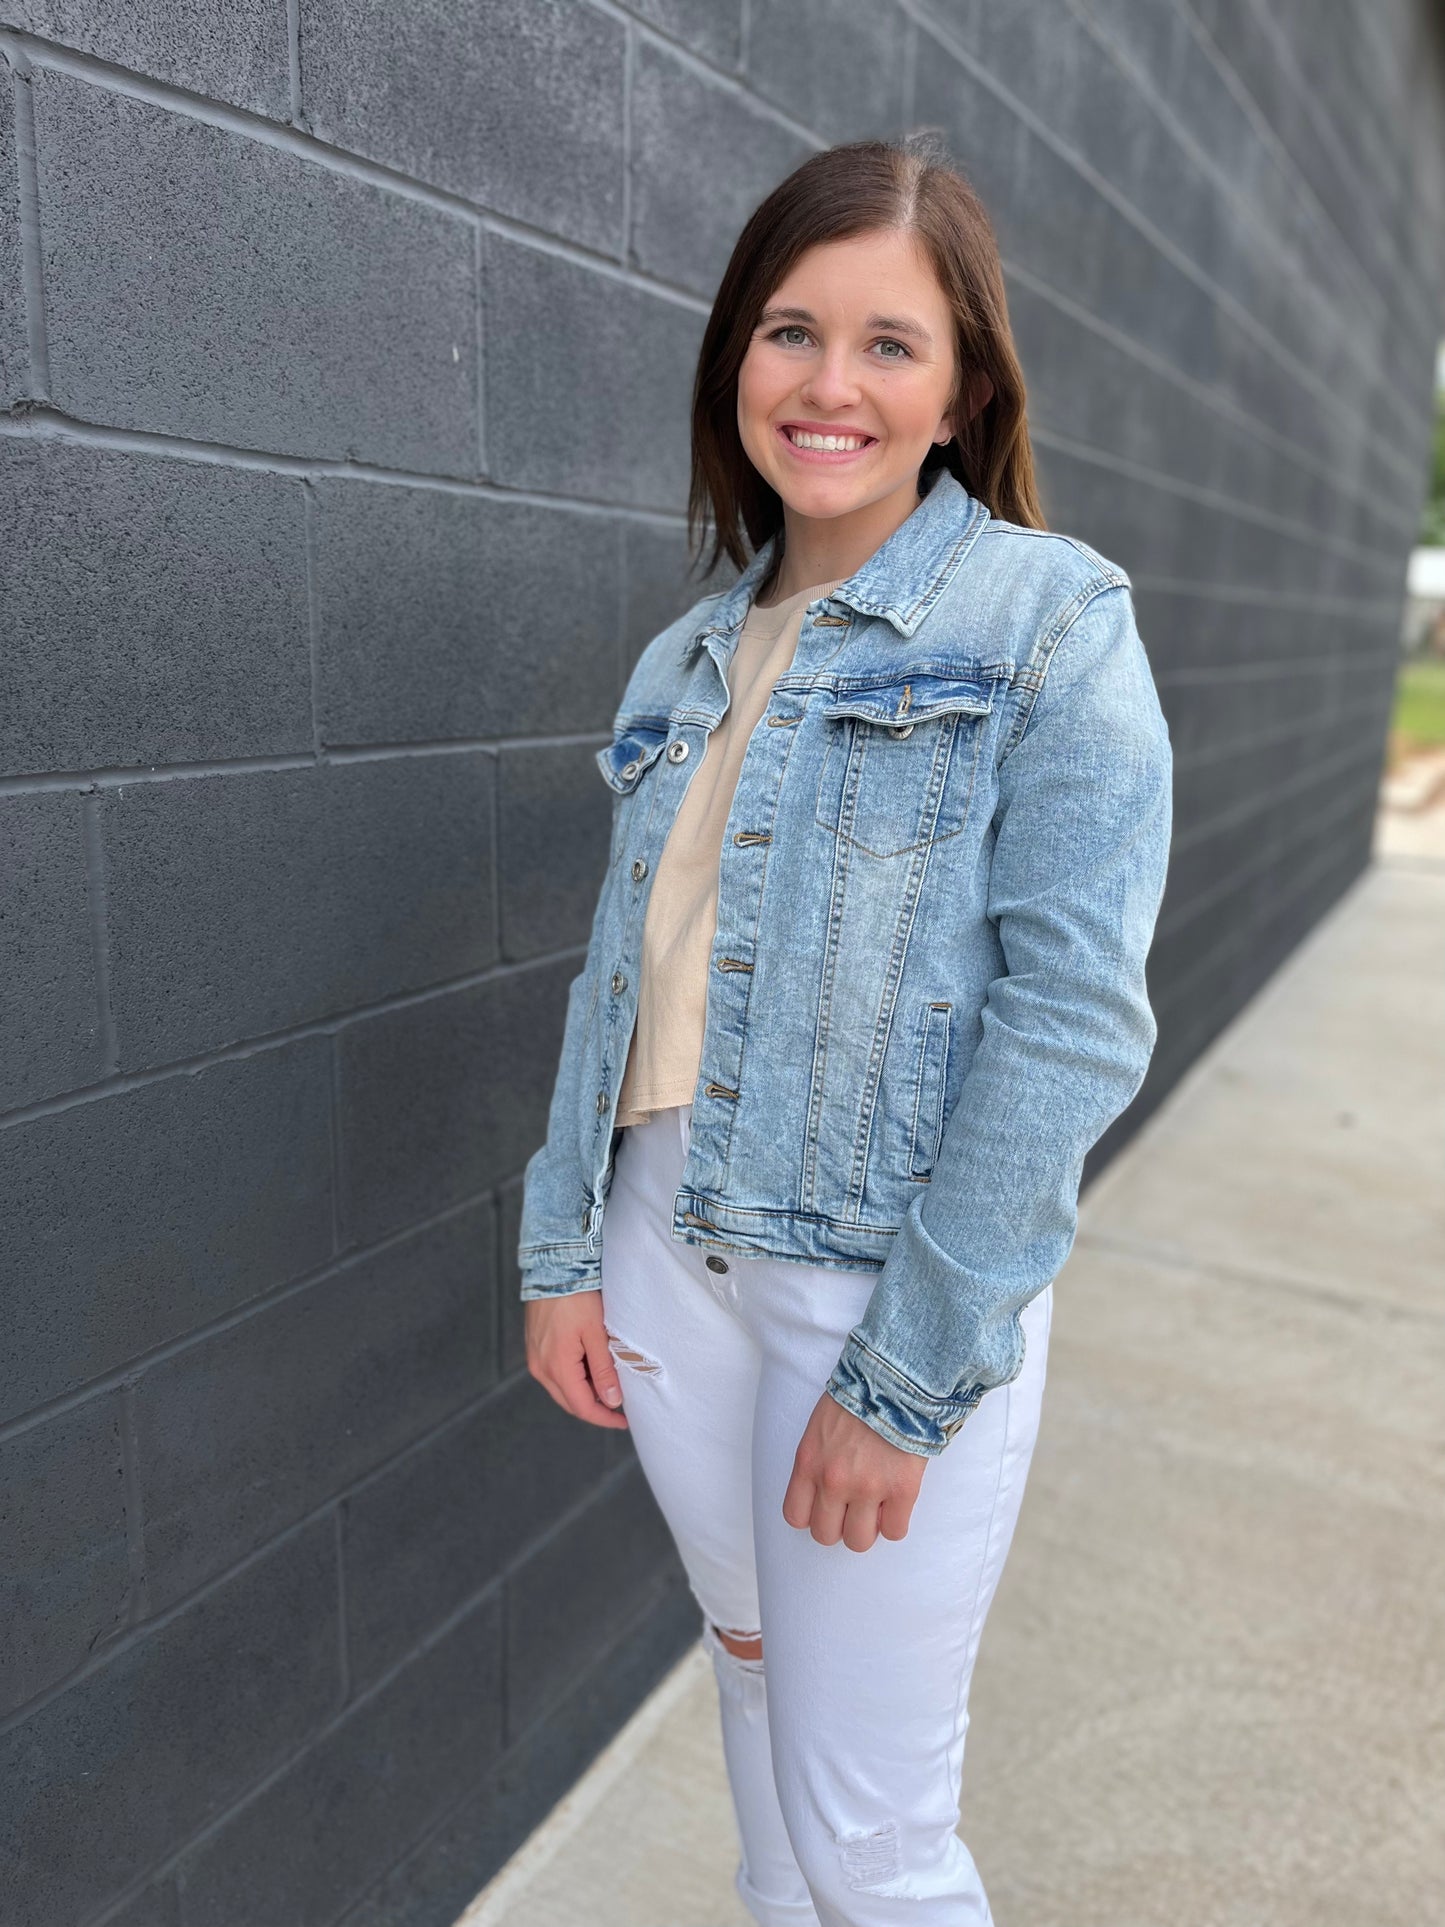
x=846 y=443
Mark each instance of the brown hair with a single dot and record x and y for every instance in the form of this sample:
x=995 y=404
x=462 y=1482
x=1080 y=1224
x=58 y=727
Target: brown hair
x=851 y=189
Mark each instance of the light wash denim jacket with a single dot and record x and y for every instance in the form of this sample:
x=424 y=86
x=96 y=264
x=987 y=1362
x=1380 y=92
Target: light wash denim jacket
x=939 y=880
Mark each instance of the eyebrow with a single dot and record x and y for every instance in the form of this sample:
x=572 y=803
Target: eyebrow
x=890 y=324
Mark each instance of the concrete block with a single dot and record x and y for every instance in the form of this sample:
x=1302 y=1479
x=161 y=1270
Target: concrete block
x=513 y=1353
x=554 y=828
x=568 y=1602
x=243 y=903
x=158 y=1904
x=515 y=107
x=112 y=1773
x=587 y=380
x=314 y=314
x=352 y=1804
x=155 y=610
x=837 y=69
x=237 y=53
x=131 y=1219
x=49 y=1011
x=687 y=211
x=659 y=586
x=66 y=1582
x=443 y=615
x=442 y=1875
x=712 y=28
x=430 y=1531
x=436 y=1098
x=249 y=1430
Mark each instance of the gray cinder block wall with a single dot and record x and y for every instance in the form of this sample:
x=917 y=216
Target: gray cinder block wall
x=345 y=353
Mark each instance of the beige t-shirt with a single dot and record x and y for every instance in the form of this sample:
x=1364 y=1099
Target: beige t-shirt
x=681 y=923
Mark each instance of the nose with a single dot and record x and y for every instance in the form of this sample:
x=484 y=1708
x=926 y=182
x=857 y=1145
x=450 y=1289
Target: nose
x=831 y=385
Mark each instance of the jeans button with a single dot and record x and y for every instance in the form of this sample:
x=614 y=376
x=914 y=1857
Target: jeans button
x=714 y=1263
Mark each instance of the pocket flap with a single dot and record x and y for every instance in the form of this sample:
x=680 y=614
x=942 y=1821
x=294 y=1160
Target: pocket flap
x=633 y=748
x=910 y=697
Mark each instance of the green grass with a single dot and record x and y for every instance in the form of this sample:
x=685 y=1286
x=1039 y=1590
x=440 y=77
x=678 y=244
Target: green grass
x=1419 y=718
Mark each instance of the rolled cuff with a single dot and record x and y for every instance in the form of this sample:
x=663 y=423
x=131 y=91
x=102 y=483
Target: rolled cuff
x=553 y=1271
x=895 y=1408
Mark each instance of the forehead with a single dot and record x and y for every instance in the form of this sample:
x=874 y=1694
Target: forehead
x=885 y=274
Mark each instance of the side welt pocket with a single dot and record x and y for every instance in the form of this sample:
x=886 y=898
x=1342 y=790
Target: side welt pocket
x=930 y=1087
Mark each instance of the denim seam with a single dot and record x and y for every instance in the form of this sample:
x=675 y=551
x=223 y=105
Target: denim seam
x=945 y=1402
x=1041 y=656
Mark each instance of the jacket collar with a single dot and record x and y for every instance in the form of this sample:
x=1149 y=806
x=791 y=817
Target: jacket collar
x=899 y=581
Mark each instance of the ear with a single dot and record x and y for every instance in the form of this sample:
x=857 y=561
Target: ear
x=977 y=393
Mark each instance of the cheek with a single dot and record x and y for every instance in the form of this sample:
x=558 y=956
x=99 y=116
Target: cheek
x=764 y=384
x=755 y=403
x=750 y=389
x=911 y=409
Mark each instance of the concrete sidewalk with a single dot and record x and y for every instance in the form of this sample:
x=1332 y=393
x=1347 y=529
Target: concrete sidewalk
x=1210 y=1688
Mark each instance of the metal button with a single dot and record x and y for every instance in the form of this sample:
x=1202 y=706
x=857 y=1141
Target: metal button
x=639 y=868
x=629 y=770
x=714 y=1263
x=677 y=752
x=601 y=1102
x=619 y=983
x=903 y=729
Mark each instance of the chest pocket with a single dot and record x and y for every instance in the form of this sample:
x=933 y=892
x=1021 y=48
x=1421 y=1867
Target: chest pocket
x=900 y=758
x=626 y=764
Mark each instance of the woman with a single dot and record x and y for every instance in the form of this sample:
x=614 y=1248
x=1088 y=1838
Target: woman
x=865 y=982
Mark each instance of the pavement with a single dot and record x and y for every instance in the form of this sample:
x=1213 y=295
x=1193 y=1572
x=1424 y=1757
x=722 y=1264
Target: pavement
x=1210 y=1689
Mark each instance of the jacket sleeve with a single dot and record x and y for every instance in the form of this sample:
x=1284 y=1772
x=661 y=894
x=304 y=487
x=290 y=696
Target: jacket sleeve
x=559 y=1244
x=1082 y=830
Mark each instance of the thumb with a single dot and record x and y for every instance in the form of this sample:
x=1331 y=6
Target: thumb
x=602 y=1370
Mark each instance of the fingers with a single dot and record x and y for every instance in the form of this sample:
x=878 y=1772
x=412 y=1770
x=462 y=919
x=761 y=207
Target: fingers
x=895 y=1513
x=574 y=1389
x=798 y=1499
x=848 y=1483
x=829 y=1511
x=568 y=1356
x=604 y=1389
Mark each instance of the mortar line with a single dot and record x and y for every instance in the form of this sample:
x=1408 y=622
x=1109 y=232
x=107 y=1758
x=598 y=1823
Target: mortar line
x=98 y=900
x=32 y=269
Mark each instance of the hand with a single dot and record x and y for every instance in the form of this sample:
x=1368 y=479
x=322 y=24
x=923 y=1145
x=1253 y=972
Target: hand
x=568 y=1353
x=848 y=1482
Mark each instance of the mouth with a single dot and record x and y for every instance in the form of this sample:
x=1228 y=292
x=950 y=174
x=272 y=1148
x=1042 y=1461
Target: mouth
x=828 y=447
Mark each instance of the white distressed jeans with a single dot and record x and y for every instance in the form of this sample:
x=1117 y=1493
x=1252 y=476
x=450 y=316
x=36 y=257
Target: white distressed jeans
x=844 y=1743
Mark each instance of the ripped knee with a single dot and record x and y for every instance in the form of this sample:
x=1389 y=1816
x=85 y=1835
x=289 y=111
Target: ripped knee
x=740 y=1645
x=872 y=1859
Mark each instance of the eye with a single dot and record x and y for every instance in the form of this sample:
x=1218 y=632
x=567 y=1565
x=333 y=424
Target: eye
x=797 y=328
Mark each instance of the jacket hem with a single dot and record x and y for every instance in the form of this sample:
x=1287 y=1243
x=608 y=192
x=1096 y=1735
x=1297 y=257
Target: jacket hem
x=815 y=1240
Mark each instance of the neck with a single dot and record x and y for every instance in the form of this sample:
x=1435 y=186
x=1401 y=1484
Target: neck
x=831 y=548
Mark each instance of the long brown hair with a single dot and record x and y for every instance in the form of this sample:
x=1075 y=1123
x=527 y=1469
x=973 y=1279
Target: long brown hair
x=857 y=188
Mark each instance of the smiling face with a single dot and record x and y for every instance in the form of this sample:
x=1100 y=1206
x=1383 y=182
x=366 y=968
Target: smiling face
x=844 y=387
